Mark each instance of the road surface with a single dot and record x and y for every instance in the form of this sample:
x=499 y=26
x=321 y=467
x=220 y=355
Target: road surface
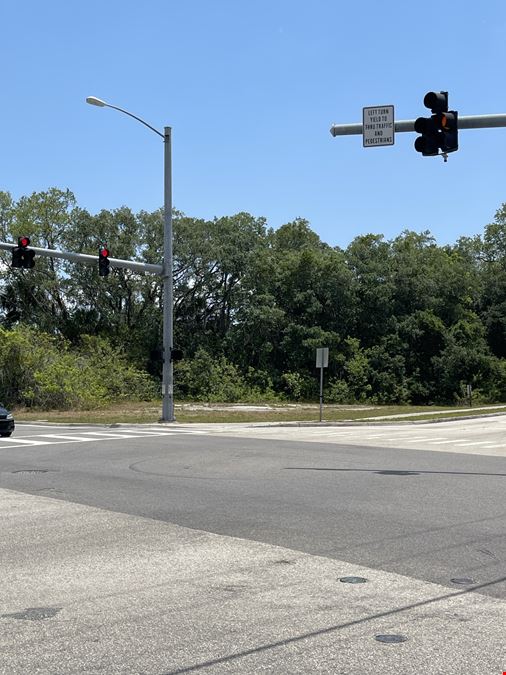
x=187 y=548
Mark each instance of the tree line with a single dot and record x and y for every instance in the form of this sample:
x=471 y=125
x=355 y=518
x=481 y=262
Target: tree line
x=406 y=320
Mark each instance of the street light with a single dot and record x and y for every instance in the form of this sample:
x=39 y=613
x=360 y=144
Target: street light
x=167 y=273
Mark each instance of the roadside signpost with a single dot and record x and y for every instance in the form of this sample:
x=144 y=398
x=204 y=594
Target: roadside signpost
x=378 y=127
x=322 y=361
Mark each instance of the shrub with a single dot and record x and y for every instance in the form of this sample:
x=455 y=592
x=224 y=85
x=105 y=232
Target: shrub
x=205 y=378
x=42 y=371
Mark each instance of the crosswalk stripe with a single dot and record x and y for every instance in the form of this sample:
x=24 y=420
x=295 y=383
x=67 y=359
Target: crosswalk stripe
x=422 y=438
x=23 y=441
x=105 y=435
x=454 y=440
x=69 y=438
x=141 y=432
x=462 y=445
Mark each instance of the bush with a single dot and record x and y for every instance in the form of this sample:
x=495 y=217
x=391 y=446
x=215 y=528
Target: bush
x=337 y=391
x=209 y=379
x=43 y=371
x=299 y=387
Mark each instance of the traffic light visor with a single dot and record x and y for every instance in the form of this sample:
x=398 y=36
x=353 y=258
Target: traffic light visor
x=426 y=145
x=448 y=121
x=23 y=242
x=436 y=101
x=423 y=125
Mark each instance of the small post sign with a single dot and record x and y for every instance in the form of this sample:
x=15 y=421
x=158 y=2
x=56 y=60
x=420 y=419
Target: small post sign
x=378 y=126
x=322 y=357
x=322 y=361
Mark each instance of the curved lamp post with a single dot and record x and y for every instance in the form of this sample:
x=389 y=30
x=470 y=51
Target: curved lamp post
x=167 y=274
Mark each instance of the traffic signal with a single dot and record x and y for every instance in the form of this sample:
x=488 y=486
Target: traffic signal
x=103 y=261
x=449 y=123
x=22 y=256
x=440 y=130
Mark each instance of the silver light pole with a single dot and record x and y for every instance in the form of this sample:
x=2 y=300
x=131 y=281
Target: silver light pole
x=167 y=270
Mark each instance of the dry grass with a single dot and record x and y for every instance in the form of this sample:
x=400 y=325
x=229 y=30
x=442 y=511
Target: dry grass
x=150 y=412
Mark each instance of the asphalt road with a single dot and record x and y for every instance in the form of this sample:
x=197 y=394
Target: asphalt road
x=389 y=513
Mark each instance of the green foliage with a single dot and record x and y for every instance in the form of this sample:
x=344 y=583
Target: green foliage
x=294 y=385
x=205 y=378
x=406 y=320
x=337 y=391
x=39 y=370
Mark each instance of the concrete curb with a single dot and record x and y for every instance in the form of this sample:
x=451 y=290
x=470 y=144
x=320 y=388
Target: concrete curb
x=261 y=425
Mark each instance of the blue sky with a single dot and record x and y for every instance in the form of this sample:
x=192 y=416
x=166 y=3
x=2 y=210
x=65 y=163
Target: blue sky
x=250 y=89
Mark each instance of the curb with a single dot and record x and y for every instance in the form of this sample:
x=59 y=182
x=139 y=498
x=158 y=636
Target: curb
x=261 y=425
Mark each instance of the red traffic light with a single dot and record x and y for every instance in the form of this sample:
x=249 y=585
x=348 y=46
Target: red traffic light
x=103 y=261
x=23 y=242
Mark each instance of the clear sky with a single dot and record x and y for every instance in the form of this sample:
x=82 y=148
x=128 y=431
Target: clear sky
x=251 y=89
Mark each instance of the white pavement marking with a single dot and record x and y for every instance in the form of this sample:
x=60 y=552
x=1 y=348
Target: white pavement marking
x=453 y=440
x=23 y=441
x=104 y=435
x=141 y=432
x=439 y=412
x=424 y=439
x=121 y=434
x=70 y=438
x=463 y=445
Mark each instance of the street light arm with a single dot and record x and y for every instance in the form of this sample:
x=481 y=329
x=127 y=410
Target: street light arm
x=107 y=105
x=93 y=100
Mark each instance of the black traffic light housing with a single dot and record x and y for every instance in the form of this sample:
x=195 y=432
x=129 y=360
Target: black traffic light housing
x=176 y=354
x=440 y=131
x=103 y=261
x=22 y=256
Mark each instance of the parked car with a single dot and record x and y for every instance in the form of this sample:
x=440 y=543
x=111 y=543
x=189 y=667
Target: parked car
x=6 y=422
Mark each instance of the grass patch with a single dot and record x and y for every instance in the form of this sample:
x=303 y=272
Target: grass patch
x=149 y=413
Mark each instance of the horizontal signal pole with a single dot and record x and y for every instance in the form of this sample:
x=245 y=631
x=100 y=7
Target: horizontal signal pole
x=468 y=122
x=88 y=259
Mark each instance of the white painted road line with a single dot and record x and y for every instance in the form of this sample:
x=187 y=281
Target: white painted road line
x=100 y=436
x=141 y=432
x=58 y=436
x=453 y=440
x=23 y=441
x=463 y=445
x=423 y=438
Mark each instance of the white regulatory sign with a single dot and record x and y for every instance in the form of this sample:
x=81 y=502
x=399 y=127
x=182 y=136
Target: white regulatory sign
x=378 y=126
x=322 y=357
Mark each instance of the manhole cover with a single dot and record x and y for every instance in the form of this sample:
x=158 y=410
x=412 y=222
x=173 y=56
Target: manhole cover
x=391 y=638
x=33 y=613
x=463 y=581
x=353 y=580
